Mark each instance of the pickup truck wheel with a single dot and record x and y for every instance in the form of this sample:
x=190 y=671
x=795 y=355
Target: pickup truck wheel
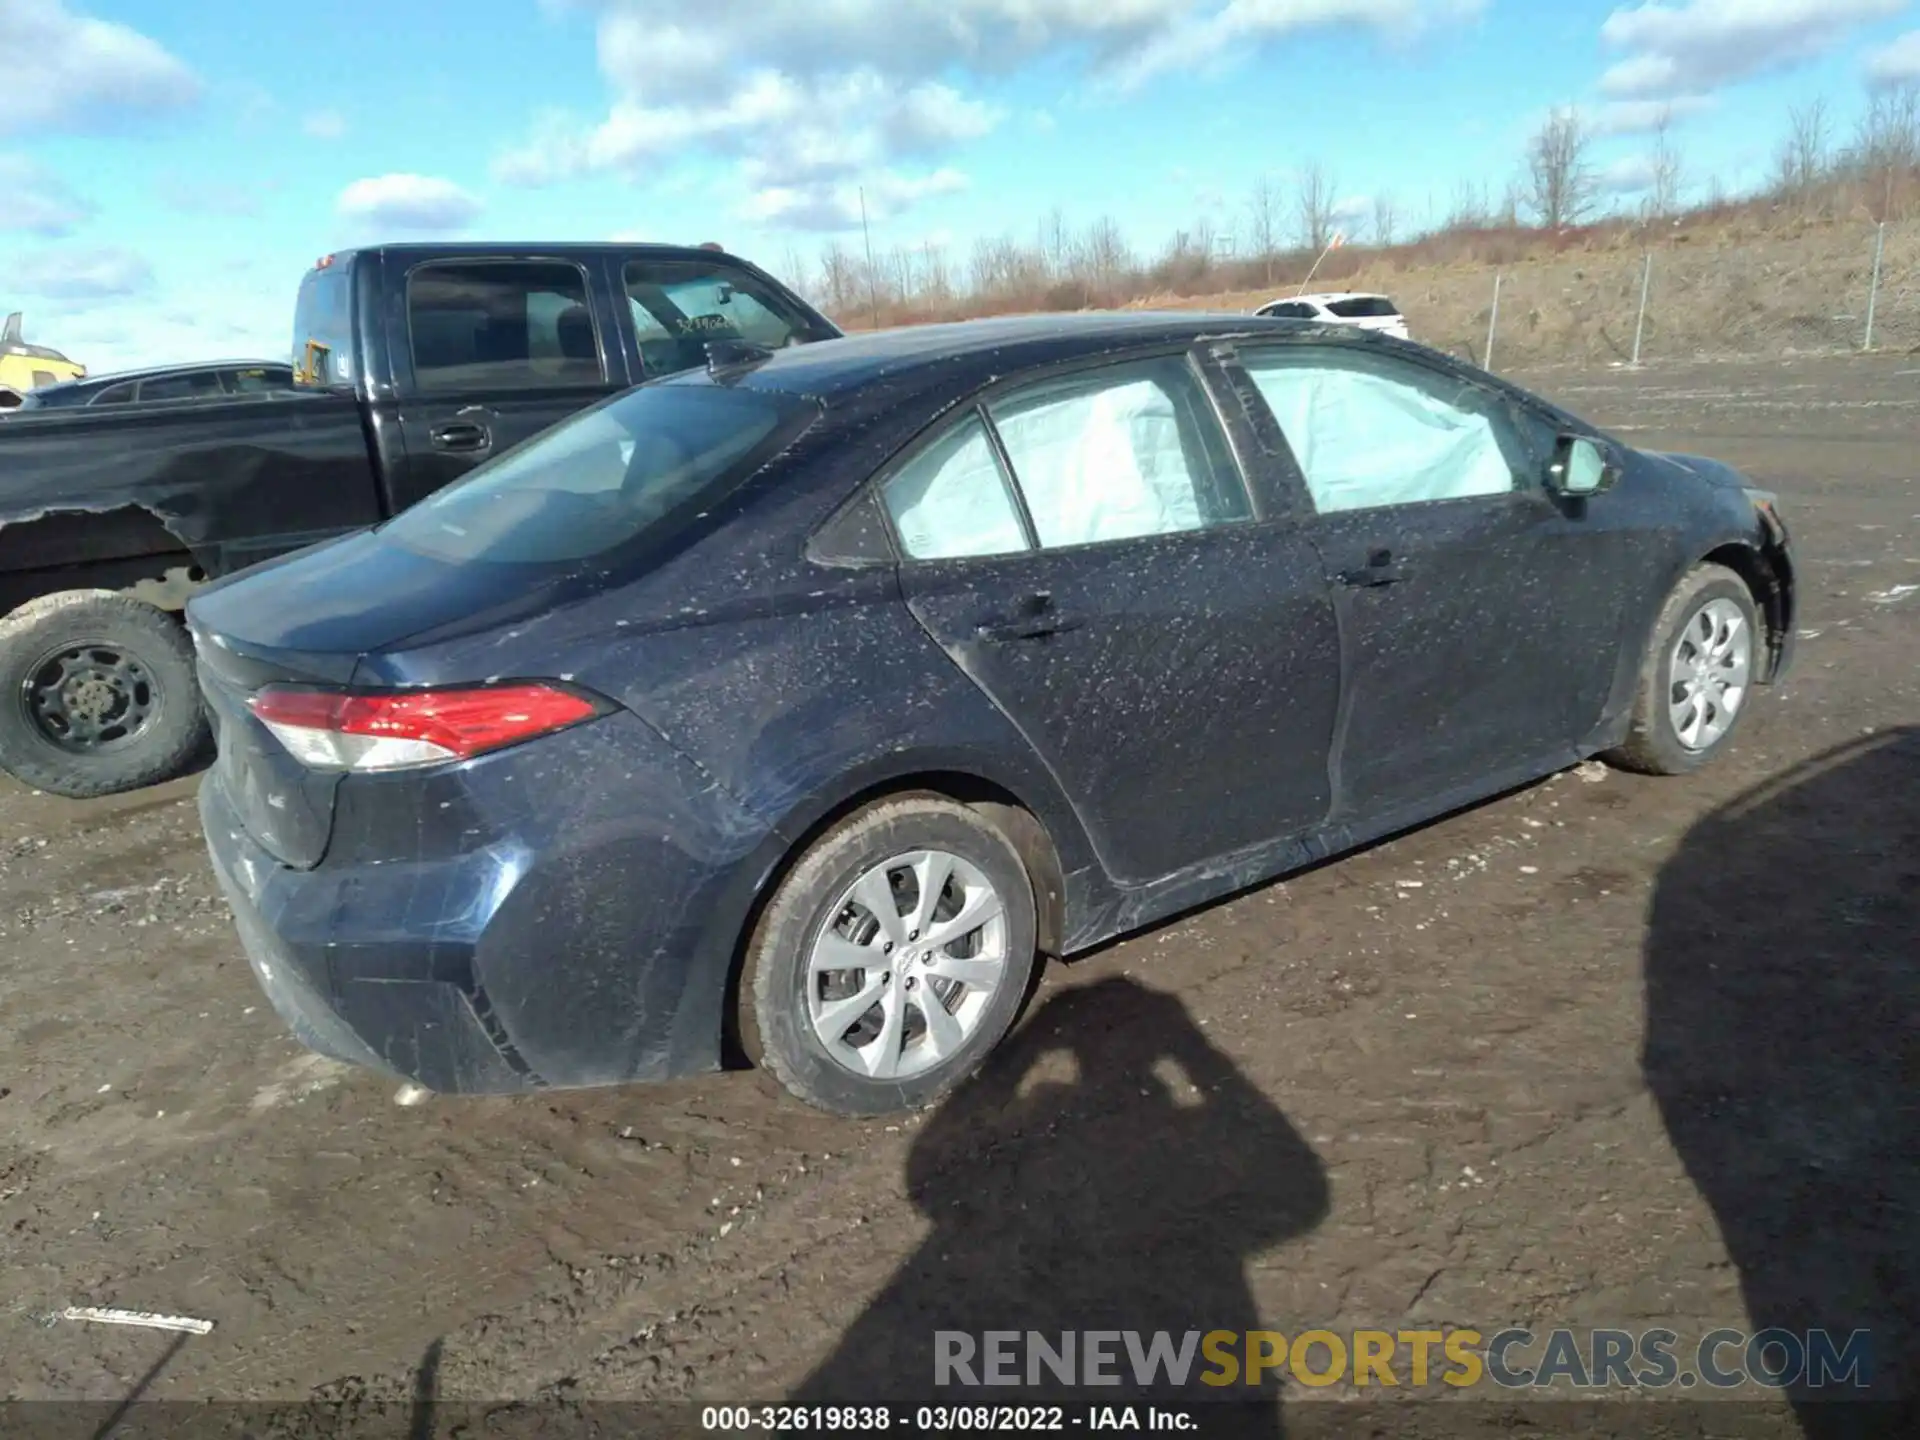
x=97 y=695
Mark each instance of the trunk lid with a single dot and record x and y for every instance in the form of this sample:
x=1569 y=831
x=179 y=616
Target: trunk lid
x=307 y=619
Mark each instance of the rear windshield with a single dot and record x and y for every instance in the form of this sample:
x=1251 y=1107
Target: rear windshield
x=323 y=329
x=1364 y=307
x=600 y=480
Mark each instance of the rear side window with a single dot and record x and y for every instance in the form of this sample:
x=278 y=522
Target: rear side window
x=254 y=381
x=679 y=305
x=1292 y=310
x=605 y=477
x=952 y=499
x=1364 y=307
x=500 y=324
x=1124 y=451
x=199 y=385
x=114 y=395
x=323 y=329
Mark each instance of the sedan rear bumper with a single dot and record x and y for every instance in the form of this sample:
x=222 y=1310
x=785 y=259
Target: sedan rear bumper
x=506 y=925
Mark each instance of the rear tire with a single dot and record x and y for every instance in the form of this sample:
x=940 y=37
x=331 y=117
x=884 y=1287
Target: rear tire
x=1700 y=668
x=943 y=978
x=97 y=695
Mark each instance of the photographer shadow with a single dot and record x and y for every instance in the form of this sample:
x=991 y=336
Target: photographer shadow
x=1109 y=1170
x=1783 y=1050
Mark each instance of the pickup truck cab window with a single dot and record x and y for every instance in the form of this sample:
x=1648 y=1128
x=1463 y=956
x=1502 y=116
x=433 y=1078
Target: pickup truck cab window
x=195 y=385
x=501 y=323
x=679 y=305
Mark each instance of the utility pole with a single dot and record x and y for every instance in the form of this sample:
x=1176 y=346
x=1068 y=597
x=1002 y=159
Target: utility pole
x=873 y=293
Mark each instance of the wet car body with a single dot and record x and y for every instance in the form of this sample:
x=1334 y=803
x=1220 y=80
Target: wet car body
x=1182 y=717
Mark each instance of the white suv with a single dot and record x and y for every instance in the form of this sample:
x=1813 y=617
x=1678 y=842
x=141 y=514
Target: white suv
x=1368 y=312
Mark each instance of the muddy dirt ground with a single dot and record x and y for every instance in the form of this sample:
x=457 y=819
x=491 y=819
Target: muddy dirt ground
x=1608 y=1051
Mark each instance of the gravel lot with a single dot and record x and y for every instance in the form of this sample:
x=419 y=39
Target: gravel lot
x=1608 y=1051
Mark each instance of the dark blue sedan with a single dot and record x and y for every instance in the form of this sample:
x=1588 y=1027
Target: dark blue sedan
x=792 y=709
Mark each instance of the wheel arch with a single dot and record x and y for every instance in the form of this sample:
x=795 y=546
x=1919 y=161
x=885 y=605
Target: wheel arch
x=1770 y=580
x=1034 y=824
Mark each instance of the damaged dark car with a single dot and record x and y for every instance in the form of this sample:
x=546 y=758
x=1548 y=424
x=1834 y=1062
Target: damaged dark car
x=791 y=710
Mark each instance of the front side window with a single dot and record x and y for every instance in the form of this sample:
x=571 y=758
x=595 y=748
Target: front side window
x=501 y=323
x=603 y=478
x=1126 y=451
x=1370 y=431
x=952 y=499
x=680 y=305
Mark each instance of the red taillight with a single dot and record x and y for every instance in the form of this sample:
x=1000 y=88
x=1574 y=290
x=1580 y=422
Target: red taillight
x=332 y=731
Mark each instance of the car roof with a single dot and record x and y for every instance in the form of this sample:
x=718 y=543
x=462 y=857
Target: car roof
x=511 y=250
x=150 y=372
x=969 y=352
x=1328 y=296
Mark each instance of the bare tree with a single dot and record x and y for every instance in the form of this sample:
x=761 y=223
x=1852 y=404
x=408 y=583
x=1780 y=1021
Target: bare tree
x=839 y=278
x=793 y=270
x=1385 y=220
x=1055 y=246
x=1559 y=181
x=1105 y=256
x=1470 y=210
x=1263 y=237
x=1803 y=159
x=1886 y=144
x=1668 y=171
x=933 y=273
x=1314 y=204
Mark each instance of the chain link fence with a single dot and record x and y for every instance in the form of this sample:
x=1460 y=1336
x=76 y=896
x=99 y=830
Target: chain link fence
x=1828 y=290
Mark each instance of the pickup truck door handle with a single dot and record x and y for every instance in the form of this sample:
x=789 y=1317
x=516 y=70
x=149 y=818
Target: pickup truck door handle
x=1379 y=570
x=1037 y=619
x=460 y=435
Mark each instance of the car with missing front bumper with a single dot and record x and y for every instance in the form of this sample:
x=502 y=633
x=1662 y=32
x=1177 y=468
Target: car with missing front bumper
x=792 y=710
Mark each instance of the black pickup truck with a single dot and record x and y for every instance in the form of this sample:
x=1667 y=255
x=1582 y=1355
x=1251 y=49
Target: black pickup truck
x=412 y=364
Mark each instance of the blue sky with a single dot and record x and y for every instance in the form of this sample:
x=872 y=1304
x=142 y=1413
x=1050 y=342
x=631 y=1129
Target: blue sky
x=168 y=171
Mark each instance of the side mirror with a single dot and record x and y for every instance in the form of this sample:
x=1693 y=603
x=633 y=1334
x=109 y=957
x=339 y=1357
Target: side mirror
x=1580 y=467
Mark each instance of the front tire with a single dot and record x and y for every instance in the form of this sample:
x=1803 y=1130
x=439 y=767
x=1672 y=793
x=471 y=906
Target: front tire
x=1696 y=683
x=892 y=959
x=97 y=695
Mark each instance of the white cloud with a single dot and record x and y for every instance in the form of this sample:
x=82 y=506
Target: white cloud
x=34 y=200
x=1642 y=117
x=81 y=275
x=325 y=124
x=1896 y=62
x=1702 y=45
x=807 y=100
x=209 y=197
x=69 y=72
x=837 y=206
x=417 y=203
x=1352 y=209
x=1629 y=175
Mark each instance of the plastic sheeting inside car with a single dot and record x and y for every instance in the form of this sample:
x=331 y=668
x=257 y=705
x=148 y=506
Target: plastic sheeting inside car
x=1102 y=465
x=1365 y=438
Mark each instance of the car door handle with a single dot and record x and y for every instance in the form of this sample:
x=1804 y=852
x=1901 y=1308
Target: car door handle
x=1374 y=575
x=1379 y=570
x=461 y=435
x=1034 y=627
